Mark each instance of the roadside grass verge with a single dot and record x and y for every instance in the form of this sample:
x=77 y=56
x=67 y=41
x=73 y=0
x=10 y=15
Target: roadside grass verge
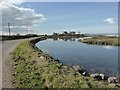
x=36 y=69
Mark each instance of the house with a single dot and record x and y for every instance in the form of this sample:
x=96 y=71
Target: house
x=65 y=33
x=72 y=33
x=55 y=34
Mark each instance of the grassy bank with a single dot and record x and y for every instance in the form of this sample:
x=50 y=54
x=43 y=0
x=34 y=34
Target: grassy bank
x=103 y=40
x=36 y=69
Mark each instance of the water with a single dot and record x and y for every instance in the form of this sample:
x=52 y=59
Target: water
x=117 y=35
x=92 y=58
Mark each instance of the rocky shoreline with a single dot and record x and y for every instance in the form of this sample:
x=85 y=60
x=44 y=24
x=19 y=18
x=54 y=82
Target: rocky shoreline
x=50 y=71
x=97 y=76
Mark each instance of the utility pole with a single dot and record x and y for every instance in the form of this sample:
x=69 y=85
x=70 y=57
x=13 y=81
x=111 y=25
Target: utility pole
x=31 y=31
x=26 y=31
x=9 y=29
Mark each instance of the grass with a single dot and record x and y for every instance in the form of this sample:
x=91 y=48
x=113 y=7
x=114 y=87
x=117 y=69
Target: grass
x=103 y=40
x=36 y=69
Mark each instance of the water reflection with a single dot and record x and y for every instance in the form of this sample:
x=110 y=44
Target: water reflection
x=108 y=47
x=69 y=38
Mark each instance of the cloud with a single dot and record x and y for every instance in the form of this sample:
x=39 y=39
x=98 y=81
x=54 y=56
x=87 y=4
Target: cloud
x=110 y=20
x=19 y=18
x=9 y=2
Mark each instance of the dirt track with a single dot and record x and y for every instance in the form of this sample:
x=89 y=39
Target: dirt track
x=7 y=62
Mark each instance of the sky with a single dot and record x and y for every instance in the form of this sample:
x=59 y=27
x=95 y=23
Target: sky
x=49 y=17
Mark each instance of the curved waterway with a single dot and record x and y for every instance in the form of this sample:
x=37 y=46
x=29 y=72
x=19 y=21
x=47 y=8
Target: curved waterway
x=92 y=58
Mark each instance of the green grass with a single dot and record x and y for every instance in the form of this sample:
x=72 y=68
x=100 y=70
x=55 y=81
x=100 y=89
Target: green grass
x=35 y=69
x=103 y=40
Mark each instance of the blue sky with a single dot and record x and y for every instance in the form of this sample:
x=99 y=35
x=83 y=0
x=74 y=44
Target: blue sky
x=85 y=17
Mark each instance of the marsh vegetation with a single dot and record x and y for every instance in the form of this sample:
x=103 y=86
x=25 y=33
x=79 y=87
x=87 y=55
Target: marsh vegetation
x=103 y=40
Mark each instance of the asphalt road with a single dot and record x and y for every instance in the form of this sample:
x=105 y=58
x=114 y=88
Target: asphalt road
x=7 y=63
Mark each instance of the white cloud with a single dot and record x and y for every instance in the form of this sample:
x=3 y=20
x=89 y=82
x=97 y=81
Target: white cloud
x=9 y=2
x=19 y=18
x=110 y=20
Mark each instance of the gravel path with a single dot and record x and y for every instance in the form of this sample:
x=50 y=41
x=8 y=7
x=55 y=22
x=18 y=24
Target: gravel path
x=7 y=62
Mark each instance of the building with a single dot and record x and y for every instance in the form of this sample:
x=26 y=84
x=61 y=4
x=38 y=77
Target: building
x=65 y=33
x=72 y=33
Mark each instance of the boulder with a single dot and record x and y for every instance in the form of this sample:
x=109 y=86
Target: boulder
x=84 y=73
x=77 y=68
x=102 y=76
x=41 y=57
x=112 y=80
x=118 y=85
x=98 y=76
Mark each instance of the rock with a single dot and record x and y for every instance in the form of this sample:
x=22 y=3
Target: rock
x=14 y=74
x=98 y=76
x=16 y=64
x=93 y=75
x=112 y=80
x=56 y=60
x=84 y=74
x=41 y=57
x=102 y=76
x=118 y=85
x=77 y=68
x=21 y=82
x=14 y=67
x=13 y=82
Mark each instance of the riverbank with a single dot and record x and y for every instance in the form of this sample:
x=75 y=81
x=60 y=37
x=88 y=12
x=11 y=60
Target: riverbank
x=102 y=40
x=36 y=69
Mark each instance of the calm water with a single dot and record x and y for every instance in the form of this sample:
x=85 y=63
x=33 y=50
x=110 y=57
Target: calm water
x=92 y=58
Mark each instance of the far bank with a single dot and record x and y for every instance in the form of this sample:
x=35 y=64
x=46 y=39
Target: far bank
x=103 y=40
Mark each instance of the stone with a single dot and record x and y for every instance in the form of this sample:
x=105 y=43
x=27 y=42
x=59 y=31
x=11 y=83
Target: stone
x=14 y=74
x=93 y=75
x=14 y=67
x=112 y=80
x=102 y=76
x=84 y=73
x=118 y=85
x=42 y=57
x=77 y=68
x=16 y=64
x=98 y=76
